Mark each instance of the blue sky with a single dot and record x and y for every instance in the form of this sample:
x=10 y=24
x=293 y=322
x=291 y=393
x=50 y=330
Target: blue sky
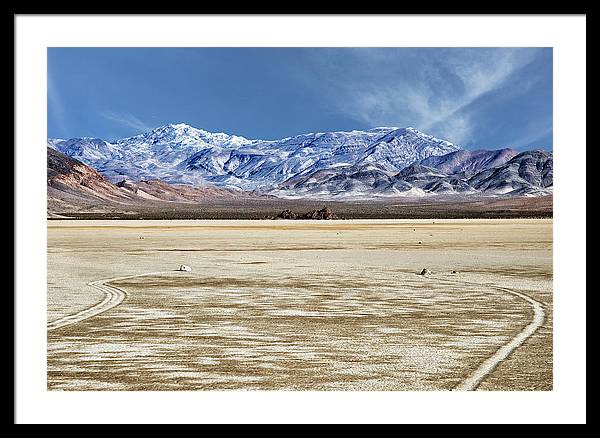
x=476 y=97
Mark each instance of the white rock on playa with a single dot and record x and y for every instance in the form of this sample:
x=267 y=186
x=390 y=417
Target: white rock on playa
x=185 y=268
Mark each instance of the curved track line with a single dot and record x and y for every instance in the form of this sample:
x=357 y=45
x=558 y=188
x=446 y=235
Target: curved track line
x=486 y=367
x=113 y=296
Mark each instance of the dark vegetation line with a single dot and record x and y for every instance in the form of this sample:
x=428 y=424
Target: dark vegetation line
x=251 y=216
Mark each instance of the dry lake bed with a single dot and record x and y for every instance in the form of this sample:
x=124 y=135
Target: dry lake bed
x=300 y=305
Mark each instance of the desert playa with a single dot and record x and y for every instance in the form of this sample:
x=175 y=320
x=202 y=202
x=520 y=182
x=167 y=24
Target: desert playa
x=300 y=305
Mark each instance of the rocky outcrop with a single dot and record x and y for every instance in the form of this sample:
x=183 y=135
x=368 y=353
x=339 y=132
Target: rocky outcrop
x=129 y=185
x=323 y=214
x=287 y=214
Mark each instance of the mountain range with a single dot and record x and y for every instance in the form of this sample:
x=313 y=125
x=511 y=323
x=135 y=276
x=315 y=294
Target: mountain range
x=383 y=162
x=76 y=187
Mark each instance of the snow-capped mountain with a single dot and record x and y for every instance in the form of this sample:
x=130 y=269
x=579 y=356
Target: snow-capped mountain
x=469 y=162
x=86 y=149
x=525 y=174
x=379 y=162
x=529 y=173
x=152 y=155
x=183 y=154
x=76 y=187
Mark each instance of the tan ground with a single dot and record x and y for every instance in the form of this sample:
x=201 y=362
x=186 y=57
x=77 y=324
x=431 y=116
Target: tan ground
x=298 y=305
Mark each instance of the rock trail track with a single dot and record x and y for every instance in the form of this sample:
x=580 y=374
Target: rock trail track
x=115 y=296
x=487 y=366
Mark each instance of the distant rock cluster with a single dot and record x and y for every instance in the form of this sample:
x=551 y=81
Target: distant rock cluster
x=323 y=214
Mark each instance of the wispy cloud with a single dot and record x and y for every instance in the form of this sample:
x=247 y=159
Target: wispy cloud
x=430 y=89
x=126 y=119
x=56 y=108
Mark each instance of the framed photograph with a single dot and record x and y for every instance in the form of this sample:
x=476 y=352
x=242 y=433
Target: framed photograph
x=241 y=220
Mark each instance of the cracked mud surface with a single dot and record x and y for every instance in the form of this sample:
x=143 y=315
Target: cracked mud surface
x=299 y=306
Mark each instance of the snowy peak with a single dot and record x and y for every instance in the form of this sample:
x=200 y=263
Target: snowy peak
x=185 y=135
x=382 y=161
x=403 y=146
x=180 y=153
